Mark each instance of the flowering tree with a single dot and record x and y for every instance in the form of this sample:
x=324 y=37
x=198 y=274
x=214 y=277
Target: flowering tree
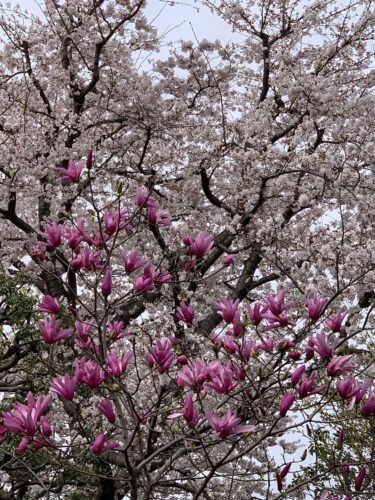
x=197 y=309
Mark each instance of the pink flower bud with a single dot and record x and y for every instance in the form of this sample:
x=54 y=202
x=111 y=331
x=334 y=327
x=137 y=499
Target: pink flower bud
x=340 y=439
x=106 y=408
x=46 y=428
x=37 y=254
x=100 y=446
x=107 y=283
x=295 y=355
x=359 y=479
x=182 y=359
x=89 y=159
x=279 y=482
x=187 y=240
x=284 y=471
x=228 y=260
x=24 y=443
x=286 y=403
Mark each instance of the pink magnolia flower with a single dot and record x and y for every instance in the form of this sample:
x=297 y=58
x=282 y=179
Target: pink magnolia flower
x=359 y=479
x=24 y=443
x=149 y=271
x=144 y=199
x=145 y=283
x=115 y=221
x=185 y=313
x=87 y=260
x=286 y=403
x=72 y=173
x=37 y=254
x=163 y=278
x=306 y=387
x=156 y=216
x=50 y=330
x=3 y=431
x=193 y=375
x=227 y=309
x=64 y=386
x=246 y=349
x=106 y=407
x=49 y=305
x=266 y=345
x=89 y=372
x=201 y=245
x=76 y=235
x=88 y=345
x=256 y=312
x=368 y=408
x=229 y=345
x=160 y=355
x=310 y=348
x=45 y=426
x=133 y=261
x=315 y=306
x=190 y=265
x=276 y=304
x=238 y=371
x=351 y=389
x=100 y=239
x=117 y=366
x=334 y=322
x=226 y=425
x=100 y=446
x=84 y=329
x=38 y=443
x=25 y=419
x=228 y=260
x=237 y=330
x=74 y=238
x=319 y=344
x=285 y=344
x=115 y=330
x=347 y=388
x=172 y=339
x=297 y=374
x=190 y=412
x=220 y=377
x=107 y=283
x=53 y=234
x=278 y=321
x=339 y=365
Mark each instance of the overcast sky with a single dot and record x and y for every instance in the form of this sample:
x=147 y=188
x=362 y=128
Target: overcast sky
x=178 y=19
